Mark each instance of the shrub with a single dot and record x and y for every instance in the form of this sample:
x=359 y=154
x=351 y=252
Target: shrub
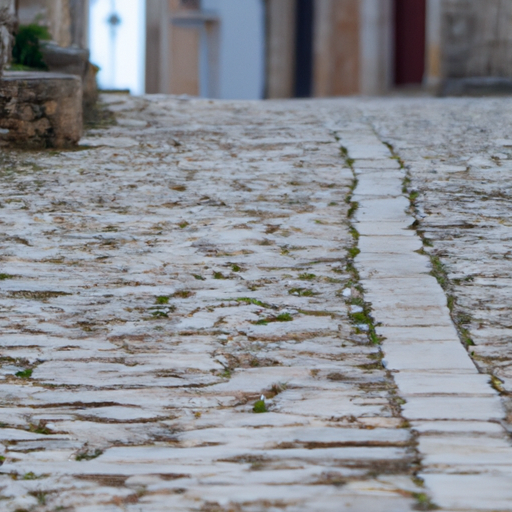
x=26 y=51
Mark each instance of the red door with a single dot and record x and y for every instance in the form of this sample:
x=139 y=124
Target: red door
x=410 y=26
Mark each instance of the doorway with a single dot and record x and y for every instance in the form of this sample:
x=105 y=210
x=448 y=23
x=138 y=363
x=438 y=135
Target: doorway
x=410 y=41
x=304 y=48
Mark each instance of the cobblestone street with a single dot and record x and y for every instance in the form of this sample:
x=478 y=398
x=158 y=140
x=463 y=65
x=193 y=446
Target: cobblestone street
x=260 y=306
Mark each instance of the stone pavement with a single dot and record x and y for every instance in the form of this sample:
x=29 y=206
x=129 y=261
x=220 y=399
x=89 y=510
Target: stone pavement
x=233 y=306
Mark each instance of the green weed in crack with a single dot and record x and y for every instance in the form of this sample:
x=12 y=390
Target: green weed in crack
x=283 y=317
x=255 y=302
x=394 y=154
x=360 y=315
x=88 y=455
x=423 y=502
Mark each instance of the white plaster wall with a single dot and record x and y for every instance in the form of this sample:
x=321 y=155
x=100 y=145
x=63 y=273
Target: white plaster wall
x=242 y=47
x=122 y=67
x=376 y=46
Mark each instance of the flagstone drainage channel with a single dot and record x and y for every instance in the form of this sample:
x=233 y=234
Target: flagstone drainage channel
x=452 y=407
x=360 y=312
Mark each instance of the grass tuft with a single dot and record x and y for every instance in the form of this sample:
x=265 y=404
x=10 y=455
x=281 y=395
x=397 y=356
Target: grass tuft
x=24 y=374
x=260 y=407
x=307 y=277
x=88 y=455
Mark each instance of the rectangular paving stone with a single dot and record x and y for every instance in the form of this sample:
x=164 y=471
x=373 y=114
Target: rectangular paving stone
x=439 y=355
x=401 y=227
x=466 y=427
x=389 y=244
x=453 y=408
x=383 y=210
x=470 y=492
x=458 y=381
x=419 y=334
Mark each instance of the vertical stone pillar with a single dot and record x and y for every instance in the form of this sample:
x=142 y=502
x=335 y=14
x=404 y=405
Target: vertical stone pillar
x=79 y=14
x=433 y=71
x=280 y=59
x=376 y=46
x=7 y=20
x=157 y=26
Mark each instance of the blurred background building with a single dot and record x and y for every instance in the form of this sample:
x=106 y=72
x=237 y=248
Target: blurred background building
x=251 y=49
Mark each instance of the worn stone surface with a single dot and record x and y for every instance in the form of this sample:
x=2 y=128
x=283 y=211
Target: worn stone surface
x=198 y=255
x=434 y=372
x=41 y=110
x=459 y=159
x=184 y=263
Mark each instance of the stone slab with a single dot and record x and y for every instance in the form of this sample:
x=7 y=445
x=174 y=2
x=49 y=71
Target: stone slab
x=460 y=408
x=459 y=381
x=438 y=355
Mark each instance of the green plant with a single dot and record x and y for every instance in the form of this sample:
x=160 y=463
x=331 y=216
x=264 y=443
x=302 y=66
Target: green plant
x=353 y=251
x=256 y=302
x=27 y=51
x=160 y=314
x=89 y=455
x=423 y=502
x=24 y=374
x=353 y=209
x=260 y=407
x=40 y=428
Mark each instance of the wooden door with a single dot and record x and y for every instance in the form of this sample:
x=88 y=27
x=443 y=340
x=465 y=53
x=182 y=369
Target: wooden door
x=410 y=29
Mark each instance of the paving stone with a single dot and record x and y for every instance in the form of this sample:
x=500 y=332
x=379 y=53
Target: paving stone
x=438 y=355
x=461 y=381
x=383 y=210
x=477 y=427
x=471 y=492
x=453 y=408
x=466 y=451
x=389 y=244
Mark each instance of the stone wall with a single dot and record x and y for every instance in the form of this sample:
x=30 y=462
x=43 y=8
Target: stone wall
x=477 y=38
x=41 y=110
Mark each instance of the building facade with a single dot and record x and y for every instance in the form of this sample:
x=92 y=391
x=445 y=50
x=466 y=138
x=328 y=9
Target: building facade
x=208 y=48
x=176 y=32
x=67 y=20
x=341 y=47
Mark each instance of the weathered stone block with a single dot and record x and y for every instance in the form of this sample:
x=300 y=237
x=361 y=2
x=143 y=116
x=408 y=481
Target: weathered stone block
x=41 y=109
x=7 y=21
x=73 y=61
